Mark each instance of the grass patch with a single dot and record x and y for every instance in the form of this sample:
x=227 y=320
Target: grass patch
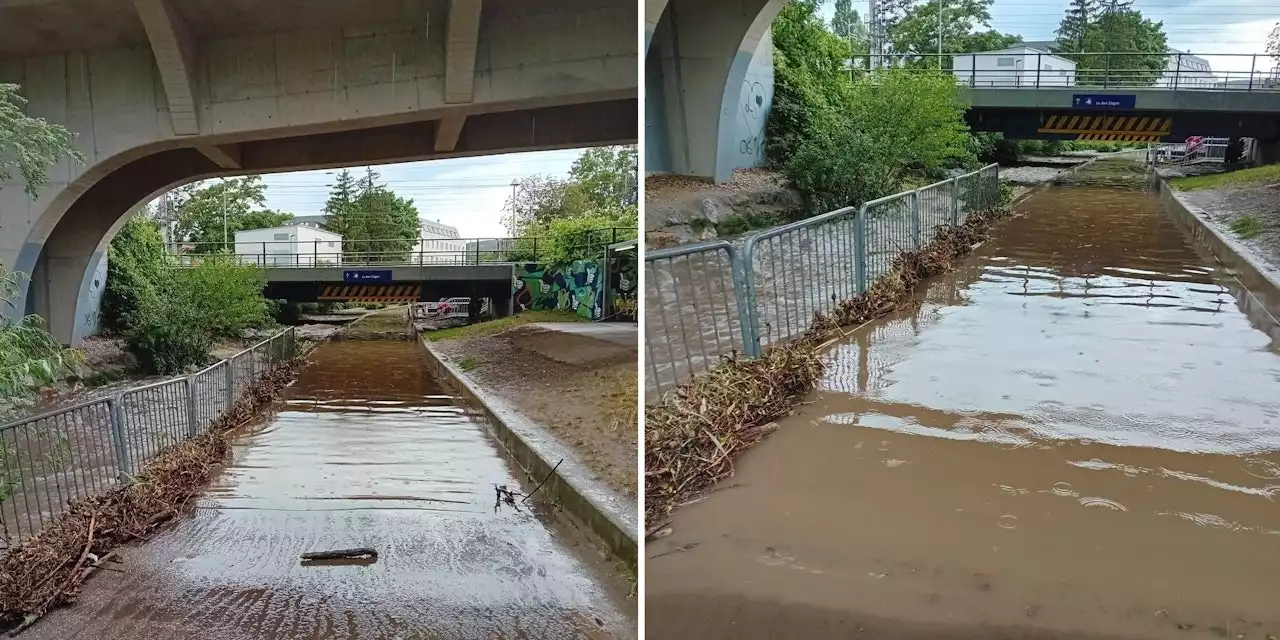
x=502 y=324
x=102 y=377
x=1246 y=226
x=468 y=363
x=1269 y=173
x=744 y=222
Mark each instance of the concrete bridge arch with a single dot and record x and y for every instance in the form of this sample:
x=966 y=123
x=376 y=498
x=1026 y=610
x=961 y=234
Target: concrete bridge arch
x=172 y=98
x=698 y=55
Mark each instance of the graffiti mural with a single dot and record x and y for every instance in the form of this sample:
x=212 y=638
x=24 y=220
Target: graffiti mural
x=622 y=286
x=577 y=287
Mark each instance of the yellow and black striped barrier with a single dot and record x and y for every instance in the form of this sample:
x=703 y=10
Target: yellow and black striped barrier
x=1117 y=128
x=372 y=293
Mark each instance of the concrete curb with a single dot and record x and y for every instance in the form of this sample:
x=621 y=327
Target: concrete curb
x=1259 y=284
x=597 y=510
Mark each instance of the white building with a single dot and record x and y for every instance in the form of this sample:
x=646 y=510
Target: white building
x=439 y=243
x=1185 y=71
x=297 y=244
x=1020 y=66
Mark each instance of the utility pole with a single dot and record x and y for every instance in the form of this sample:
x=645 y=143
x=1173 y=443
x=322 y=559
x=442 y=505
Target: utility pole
x=224 y=213
x=939 y=35
x=515 y=184
x=873 y=20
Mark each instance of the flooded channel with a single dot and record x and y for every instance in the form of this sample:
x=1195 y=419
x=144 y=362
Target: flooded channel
x=1074 y=435
x=365 y=450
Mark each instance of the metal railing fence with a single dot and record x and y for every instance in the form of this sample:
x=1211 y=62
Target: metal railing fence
x=399 y=252
x=53 y=459
x=1103 y=70
x=714 y=299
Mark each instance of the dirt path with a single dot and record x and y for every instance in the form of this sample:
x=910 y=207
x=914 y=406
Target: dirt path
x=581 y=388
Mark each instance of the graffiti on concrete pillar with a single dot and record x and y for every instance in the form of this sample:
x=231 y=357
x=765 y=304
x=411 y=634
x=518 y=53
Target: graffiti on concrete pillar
x=751 y=110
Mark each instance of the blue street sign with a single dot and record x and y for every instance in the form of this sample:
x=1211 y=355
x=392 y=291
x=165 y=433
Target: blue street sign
x=1095 y=101
x=366 y=276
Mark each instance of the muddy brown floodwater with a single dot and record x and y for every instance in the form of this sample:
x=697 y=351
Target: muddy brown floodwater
x=366 y=450
x=1074 y=435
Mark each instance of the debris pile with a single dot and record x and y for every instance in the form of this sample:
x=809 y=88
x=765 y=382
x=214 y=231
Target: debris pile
x=693 y=435
x=47 y=570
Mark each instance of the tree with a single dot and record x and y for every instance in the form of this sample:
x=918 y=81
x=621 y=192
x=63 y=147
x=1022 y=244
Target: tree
x=1075 y=24
x=607 y=176
x=1120 y=30
x=29 y=356
x=809 y=79
x=340 y=214
x=848 y=25
x=29 y=144
x=375 y=223
x=1273 y=43
x=135 y=259
x=966 y=28
x=210 y=216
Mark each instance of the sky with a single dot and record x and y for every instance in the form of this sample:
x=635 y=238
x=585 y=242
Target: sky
x=467 y=193
x=1208 y=26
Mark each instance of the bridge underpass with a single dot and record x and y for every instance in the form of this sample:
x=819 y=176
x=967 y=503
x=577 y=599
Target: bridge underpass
x=162 y=93
x=393 y=284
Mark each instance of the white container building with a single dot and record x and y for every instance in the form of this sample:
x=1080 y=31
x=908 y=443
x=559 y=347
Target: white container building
x=293 y=245
x=1020 y=66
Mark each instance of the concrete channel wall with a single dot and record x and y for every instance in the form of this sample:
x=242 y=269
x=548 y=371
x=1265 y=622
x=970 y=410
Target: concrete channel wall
x=1260 y=289
x=581 y=501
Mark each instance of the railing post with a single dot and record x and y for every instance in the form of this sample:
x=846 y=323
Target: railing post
x=231 y=382
x=860 y=248
x=1039 y=66
x=1253 y=68
x=315 y=254
x=955 y=202
x=744 y=288
x=973 y=69
x=117 y=438
x=915 y=219
x=1177 y=71
x=264 y=255
x=192 y=423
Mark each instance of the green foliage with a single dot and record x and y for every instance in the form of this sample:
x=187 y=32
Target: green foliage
x=30 y=357
x=1246 y=226
x=134 y=260
x=606 y=177
x=468 y=363
x=810 y=84
x=240 y=201
x=1117 y=29
x=375 y=224
x=1071 y=30
x=897 y=123
x=226 y=297
x=748 y=221
x=568 y=239
x=848 y=26
x=602 y=182
x=168 y=344
x=29 y=144
x=966 y=28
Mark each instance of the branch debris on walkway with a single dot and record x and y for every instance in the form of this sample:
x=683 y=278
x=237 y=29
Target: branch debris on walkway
x=46 y=571
x=694 y=433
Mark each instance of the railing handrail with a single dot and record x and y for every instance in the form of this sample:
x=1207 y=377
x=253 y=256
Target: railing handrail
x=150 y=385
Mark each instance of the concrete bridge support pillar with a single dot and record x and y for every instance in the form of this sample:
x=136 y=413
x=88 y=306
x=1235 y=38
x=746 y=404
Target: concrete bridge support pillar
x=1268 y=151
x=697 y=58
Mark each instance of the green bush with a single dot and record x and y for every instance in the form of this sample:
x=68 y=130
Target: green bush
x=134 y=263
x=225 y=297
x=567 y=239
x=169 y=344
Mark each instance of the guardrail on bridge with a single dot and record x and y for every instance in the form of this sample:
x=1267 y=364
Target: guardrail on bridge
x=1103 y=70
x=50 y=460
x=710 y=300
